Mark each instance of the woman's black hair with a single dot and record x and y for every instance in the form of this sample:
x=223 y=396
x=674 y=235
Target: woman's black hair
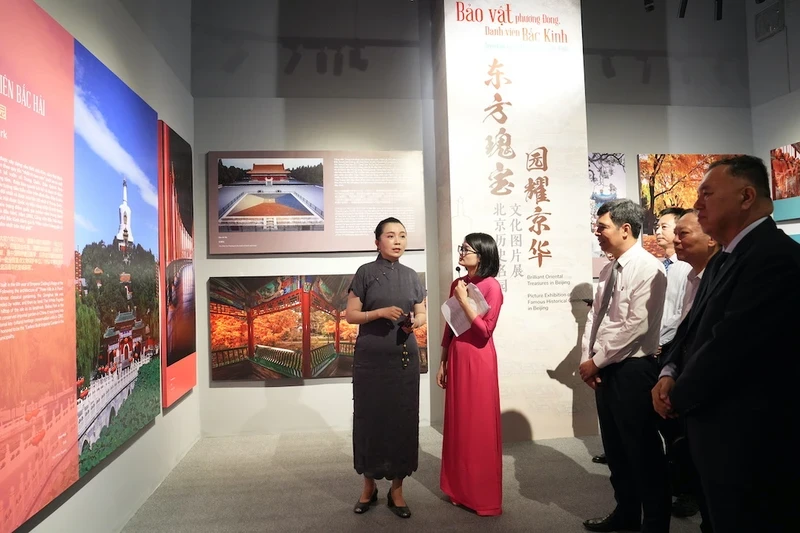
x=382 y=223
x=488 y=256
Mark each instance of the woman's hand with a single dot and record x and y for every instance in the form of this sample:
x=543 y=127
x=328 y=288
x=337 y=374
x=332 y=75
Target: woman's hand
x=411 y=324
x=460 y=291
x=390 y=313
x=441 y=375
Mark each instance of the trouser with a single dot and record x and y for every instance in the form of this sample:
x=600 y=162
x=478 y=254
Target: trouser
x=629 y=429
x=682 y=472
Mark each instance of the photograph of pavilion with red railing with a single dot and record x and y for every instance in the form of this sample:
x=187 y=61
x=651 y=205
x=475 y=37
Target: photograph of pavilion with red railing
x=284 y=327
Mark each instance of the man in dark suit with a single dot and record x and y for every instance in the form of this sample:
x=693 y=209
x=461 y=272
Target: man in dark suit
x=733 y=368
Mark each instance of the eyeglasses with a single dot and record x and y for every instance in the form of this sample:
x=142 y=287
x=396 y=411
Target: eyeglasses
x=462 y=250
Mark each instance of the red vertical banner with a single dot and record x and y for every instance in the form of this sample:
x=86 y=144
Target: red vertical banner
x=38 y=271
x=305 y=306
x=176 y=238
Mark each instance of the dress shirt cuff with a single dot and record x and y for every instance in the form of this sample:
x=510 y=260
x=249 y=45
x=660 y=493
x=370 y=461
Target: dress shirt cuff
x=600 y=360
x=669 y=370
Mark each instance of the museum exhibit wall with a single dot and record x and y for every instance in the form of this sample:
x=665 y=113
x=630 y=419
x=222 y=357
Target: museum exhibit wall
x=245 y=101
x=656 y=83
x=229 y=408
x=114 y=490
x=691 y=102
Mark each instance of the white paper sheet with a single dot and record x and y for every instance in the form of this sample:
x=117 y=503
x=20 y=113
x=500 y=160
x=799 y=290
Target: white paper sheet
x=456 y=317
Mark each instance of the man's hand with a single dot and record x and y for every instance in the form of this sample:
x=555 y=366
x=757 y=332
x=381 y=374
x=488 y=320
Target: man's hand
x=588 y=370
x=589 y=373
x=593 y=382
x=660 y=394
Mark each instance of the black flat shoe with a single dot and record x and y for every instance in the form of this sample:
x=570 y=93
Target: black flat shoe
x=609 y=523
x=363 y=507
x=600 y=459
x=402 y=512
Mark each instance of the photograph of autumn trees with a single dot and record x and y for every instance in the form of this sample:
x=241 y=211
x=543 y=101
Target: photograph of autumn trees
x=668 y=180
x=785 y=171
x=283 y=327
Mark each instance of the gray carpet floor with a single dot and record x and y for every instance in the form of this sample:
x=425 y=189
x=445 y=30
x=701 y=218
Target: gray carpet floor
x=306 y=482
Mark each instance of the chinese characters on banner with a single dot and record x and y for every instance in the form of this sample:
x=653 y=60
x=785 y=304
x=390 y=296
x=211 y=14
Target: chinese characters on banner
x=516 y=169
x=509 y=232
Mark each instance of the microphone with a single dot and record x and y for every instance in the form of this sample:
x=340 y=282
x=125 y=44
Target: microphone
x=458 y=271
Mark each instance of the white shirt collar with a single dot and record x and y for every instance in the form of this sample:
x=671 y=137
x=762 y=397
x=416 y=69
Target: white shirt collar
x=698 y=276
x=742 y=234
x=629 y=254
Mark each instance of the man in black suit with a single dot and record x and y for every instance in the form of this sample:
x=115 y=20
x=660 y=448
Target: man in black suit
x=733 y=368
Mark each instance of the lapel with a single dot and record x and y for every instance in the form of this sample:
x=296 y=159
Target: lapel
x=706 y=290
x=713 y=282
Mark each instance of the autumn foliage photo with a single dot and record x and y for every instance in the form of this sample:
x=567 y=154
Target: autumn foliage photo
x=669 y=180
x=785 y=171
x=285 y=327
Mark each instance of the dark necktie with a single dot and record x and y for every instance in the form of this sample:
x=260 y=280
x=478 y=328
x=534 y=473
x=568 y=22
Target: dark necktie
x=608 y=290
x=667 y=263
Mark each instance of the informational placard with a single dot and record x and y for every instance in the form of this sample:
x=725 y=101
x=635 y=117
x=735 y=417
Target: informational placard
x=179 y=353
x=285 y=328
x=38 y=407
x=516 y=123
x=311 y=201
x=79 y=293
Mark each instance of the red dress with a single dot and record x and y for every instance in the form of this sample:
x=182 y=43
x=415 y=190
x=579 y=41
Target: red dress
x=472 y=451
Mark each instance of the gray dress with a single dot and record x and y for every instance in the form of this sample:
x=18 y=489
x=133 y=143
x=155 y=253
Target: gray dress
x=386 y=374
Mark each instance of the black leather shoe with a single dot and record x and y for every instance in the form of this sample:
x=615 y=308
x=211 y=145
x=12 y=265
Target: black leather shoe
x=600 y=459
x=402 y=512
x=363 y=507
x=609 y=523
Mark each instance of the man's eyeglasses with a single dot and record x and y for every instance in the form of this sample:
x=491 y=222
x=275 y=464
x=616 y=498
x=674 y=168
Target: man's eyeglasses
x=462 y=250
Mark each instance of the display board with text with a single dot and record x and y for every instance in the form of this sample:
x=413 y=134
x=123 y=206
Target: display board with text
x=79 y=262
x=517 y=142
x=311 y=201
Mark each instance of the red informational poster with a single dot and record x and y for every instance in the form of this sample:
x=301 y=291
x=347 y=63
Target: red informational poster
x=79 y=262
x=38 y=415
x=179 y=355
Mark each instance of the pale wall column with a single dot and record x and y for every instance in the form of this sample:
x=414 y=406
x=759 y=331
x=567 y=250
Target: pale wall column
x=512 y=162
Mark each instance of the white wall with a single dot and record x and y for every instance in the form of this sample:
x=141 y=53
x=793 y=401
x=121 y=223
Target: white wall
x=233 y=408
x=774 y=63
x=245 y=101
x=692 y=61
x=644 y=129
x=117 y=488
x=168 y=26
x=775 y=86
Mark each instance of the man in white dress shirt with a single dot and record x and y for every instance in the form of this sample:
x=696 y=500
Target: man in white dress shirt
x=618 y=362
x=696 y=248
x=677 y=272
